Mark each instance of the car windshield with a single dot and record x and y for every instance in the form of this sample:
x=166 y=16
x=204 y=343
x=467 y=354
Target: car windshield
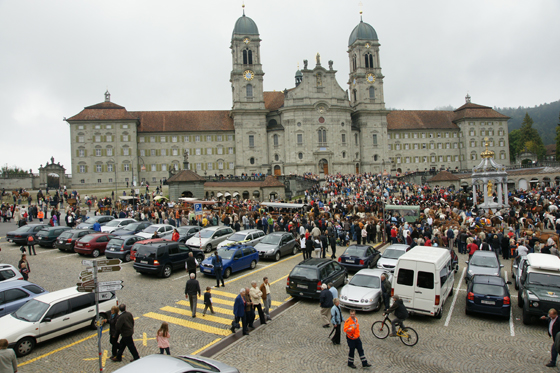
x=116 y=241
x=543 y=279
x=237 y=237
x=113 y=223
x=198 y=364
x=23 y=229
x=271 y=240
x=486 y=289
x=226 y=254
x=150 y=229
x=392 y=254
x=484 y=261
x=131 y=227
x=355 y=251
x=183 y=230
x=372 y=282
x=66 y=235
x=305 y=272
x=93 y=219
x=31 y=311
x=87 y=238
x=205 y=233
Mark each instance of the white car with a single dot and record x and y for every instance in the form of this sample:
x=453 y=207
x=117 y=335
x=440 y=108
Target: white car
x=113 y=225
x=9 y=273
x=390 y=256
x=160 y=228
x=363 y=291
x=249 y=237
x=209 y=238
x=52 y=315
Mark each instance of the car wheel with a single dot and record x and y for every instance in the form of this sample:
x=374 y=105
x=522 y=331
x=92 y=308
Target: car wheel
x=24 y=346
x=95 y=253
x=166 y=271
x=80 y=254
x=294 y=250
x=102 y=317
x=227 y=272
x=127 y=257
x=451 y=291
x=378 y=305
x=439 y=314
x=516 y=285
x=208 y=248
x=526 y=317
x=253 y=264
x=277 y=256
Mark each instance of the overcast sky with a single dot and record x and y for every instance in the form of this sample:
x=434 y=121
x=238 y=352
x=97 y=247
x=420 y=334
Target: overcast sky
x=57 y=57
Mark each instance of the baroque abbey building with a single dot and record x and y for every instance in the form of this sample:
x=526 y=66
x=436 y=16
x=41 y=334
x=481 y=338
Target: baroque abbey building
x=317 y=126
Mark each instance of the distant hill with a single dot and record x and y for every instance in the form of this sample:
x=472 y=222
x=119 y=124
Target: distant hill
x=545 y=117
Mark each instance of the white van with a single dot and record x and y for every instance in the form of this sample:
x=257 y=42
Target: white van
x=424 y=278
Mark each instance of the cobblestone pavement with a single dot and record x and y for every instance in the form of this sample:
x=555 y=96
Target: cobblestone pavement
x=293 y=341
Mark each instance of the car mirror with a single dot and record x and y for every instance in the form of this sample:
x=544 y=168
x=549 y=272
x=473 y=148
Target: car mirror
x=501 y=266
x=47 y=319
x=466 y=261
x=508 y=282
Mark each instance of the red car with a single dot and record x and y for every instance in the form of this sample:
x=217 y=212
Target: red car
x=135 y=246
x=93 y=244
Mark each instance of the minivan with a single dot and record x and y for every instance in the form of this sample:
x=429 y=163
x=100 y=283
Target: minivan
x=424 y=279
x=306 y=278
x=162 y=258
x=14 y=294
x=209 y=238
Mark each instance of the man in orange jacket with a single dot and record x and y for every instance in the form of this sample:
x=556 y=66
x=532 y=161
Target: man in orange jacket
x=352 y=330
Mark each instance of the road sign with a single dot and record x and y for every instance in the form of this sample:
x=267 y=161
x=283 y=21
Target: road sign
x=109 y=262
x=105 y=283
x=88 y=263
x=87 y=272
x=89 y=283
x=86 y=278
x=85 y=290
x=110 y=287
x=198 y=208
x=109 y=269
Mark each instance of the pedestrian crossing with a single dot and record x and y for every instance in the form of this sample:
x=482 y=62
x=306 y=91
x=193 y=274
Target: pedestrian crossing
x=217 y=323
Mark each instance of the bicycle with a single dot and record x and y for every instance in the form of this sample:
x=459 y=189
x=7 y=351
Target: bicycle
x=381 y=330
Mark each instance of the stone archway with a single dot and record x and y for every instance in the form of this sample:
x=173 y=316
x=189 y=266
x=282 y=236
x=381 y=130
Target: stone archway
x=187 y=194
x=52 y=175
x=324 y=166
x=53 y=180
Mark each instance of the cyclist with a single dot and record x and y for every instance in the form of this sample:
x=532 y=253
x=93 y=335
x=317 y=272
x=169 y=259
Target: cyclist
x=401 y=314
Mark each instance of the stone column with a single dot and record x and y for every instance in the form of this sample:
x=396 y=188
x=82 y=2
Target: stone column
x=500 y=194
x=485 y=193
x=506 y=202
x=474 y=193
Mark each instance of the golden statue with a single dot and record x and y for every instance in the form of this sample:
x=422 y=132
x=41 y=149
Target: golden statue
x=489 y=188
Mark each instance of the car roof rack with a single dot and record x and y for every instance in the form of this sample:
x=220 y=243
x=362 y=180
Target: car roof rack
x=545 y=262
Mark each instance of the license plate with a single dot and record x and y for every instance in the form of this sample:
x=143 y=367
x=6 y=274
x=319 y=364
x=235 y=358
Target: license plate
x=60 y=241
x=350 y=261
x=144 y=261
x=302 y=286
x=490 y=302
x=40 y=238
x=205 y=270
x=10 y=240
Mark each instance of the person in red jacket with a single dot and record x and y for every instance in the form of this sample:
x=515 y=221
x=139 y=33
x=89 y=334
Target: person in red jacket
x=175 y=235
x=352 y=330
x=471 y=247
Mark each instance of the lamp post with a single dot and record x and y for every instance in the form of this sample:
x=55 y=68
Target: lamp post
x=115 y=169
x=138 y=167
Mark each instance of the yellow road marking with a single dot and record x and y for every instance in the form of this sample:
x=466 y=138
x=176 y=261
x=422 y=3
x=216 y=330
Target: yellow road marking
x=188 y=324
x=225 y=311
x=280 y=279
x=103 y=358
x=230 y=295
x=145 y=339
x=258 y=270
x=287 y=299
x=208 y=345
x=185 y=312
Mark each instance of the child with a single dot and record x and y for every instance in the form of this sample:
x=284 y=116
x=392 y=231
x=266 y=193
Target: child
x=207 y=301
x=162 y=338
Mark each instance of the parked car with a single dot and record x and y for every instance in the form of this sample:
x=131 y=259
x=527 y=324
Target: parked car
x=14 y=294
x=9 y=273
x=517 y=269
x=88 y=224
x=131 y=228
x=67 y=240
x=47 y=237
x=539 y=285
x=162 y=258
x=185 y=232
x=93 y=244
x=358 y=257
x=235 y=258
x=483 y=263
x=19 y=236
x=115 y=224
x=209 y=238
x=489 y=295
x=391 y=255
x=51 y=315
x=119 y=247
x=174 y=364
x=145 y=241
x=363 y=291
x=160 y=228
x=306 y=277
x=249 y=237
x=276 y=245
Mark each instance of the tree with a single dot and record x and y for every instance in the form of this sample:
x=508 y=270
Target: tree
x=558 y=139
x=515 y=145
x=6 y=171
x=527 y=137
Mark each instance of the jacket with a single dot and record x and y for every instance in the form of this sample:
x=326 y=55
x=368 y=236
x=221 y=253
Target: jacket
x=113 y=325
x=256 y=295
x=326 y=298
x=217 y=261
x=248 y=303
x=239 y=306
x=125 y=324
x=192 y=287
x=207 y=299
x=352 y=328
x=336 y=315
x=385 y=287
x=399 y=308
x=191 y=264
x=262 y=288
x=555 y=328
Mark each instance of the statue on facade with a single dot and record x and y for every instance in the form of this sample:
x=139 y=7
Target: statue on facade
x=305 y=64
x=330 y=65
x=318 y=59
x=52 y=160
x=489 y=188
x=185 y=156
x=319 y=80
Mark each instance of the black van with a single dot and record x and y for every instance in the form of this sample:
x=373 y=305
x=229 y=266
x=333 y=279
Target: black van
x=306 y=278
x=162 y=258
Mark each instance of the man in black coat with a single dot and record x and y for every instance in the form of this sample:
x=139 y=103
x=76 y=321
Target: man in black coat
x=324 y=244
x=309 y=247
x=191 y=290
x=190 y=264
x=326 y=303
x=125 y=327
x=401 y=314
x=553 y=329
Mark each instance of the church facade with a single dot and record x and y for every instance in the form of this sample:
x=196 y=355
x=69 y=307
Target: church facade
x=317 y=126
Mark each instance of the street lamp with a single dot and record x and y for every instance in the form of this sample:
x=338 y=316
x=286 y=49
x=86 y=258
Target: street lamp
x=114 y=164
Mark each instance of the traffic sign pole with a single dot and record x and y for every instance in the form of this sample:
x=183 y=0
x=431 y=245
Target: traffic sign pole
x=97 y=315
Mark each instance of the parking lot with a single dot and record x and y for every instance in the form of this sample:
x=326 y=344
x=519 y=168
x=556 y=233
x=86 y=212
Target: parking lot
x=293 y=341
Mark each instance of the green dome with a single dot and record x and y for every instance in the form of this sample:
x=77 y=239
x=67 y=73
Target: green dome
x=245 y=26
x=299 y=73
x=363 y=31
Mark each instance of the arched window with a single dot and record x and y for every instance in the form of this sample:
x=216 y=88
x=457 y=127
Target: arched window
x=247 y=57
x=252 y=160
x=356 y=139
x=322 y=136
x=369 y=61
x=249 y=90
x=276 y=157
x=354 y=63
x=355 y=96
x=275 y=140
x=375 y=157
x=371 y=92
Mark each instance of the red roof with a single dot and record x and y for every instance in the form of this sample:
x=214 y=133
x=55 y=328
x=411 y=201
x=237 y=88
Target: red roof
x=420 y=119
x=474 y=111
x=103 y=111
x=273 y=100
x=181 y=121
x=185 y=175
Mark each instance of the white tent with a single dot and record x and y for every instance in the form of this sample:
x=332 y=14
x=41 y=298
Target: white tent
x=227 y=194
x=219 y=195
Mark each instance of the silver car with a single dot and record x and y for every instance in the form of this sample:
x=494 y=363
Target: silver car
x=390 y=256
x=209 y=238
x=249 y=237
x=517 y=269
x=483 y=263
x=176 y=364
x=363 y=291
